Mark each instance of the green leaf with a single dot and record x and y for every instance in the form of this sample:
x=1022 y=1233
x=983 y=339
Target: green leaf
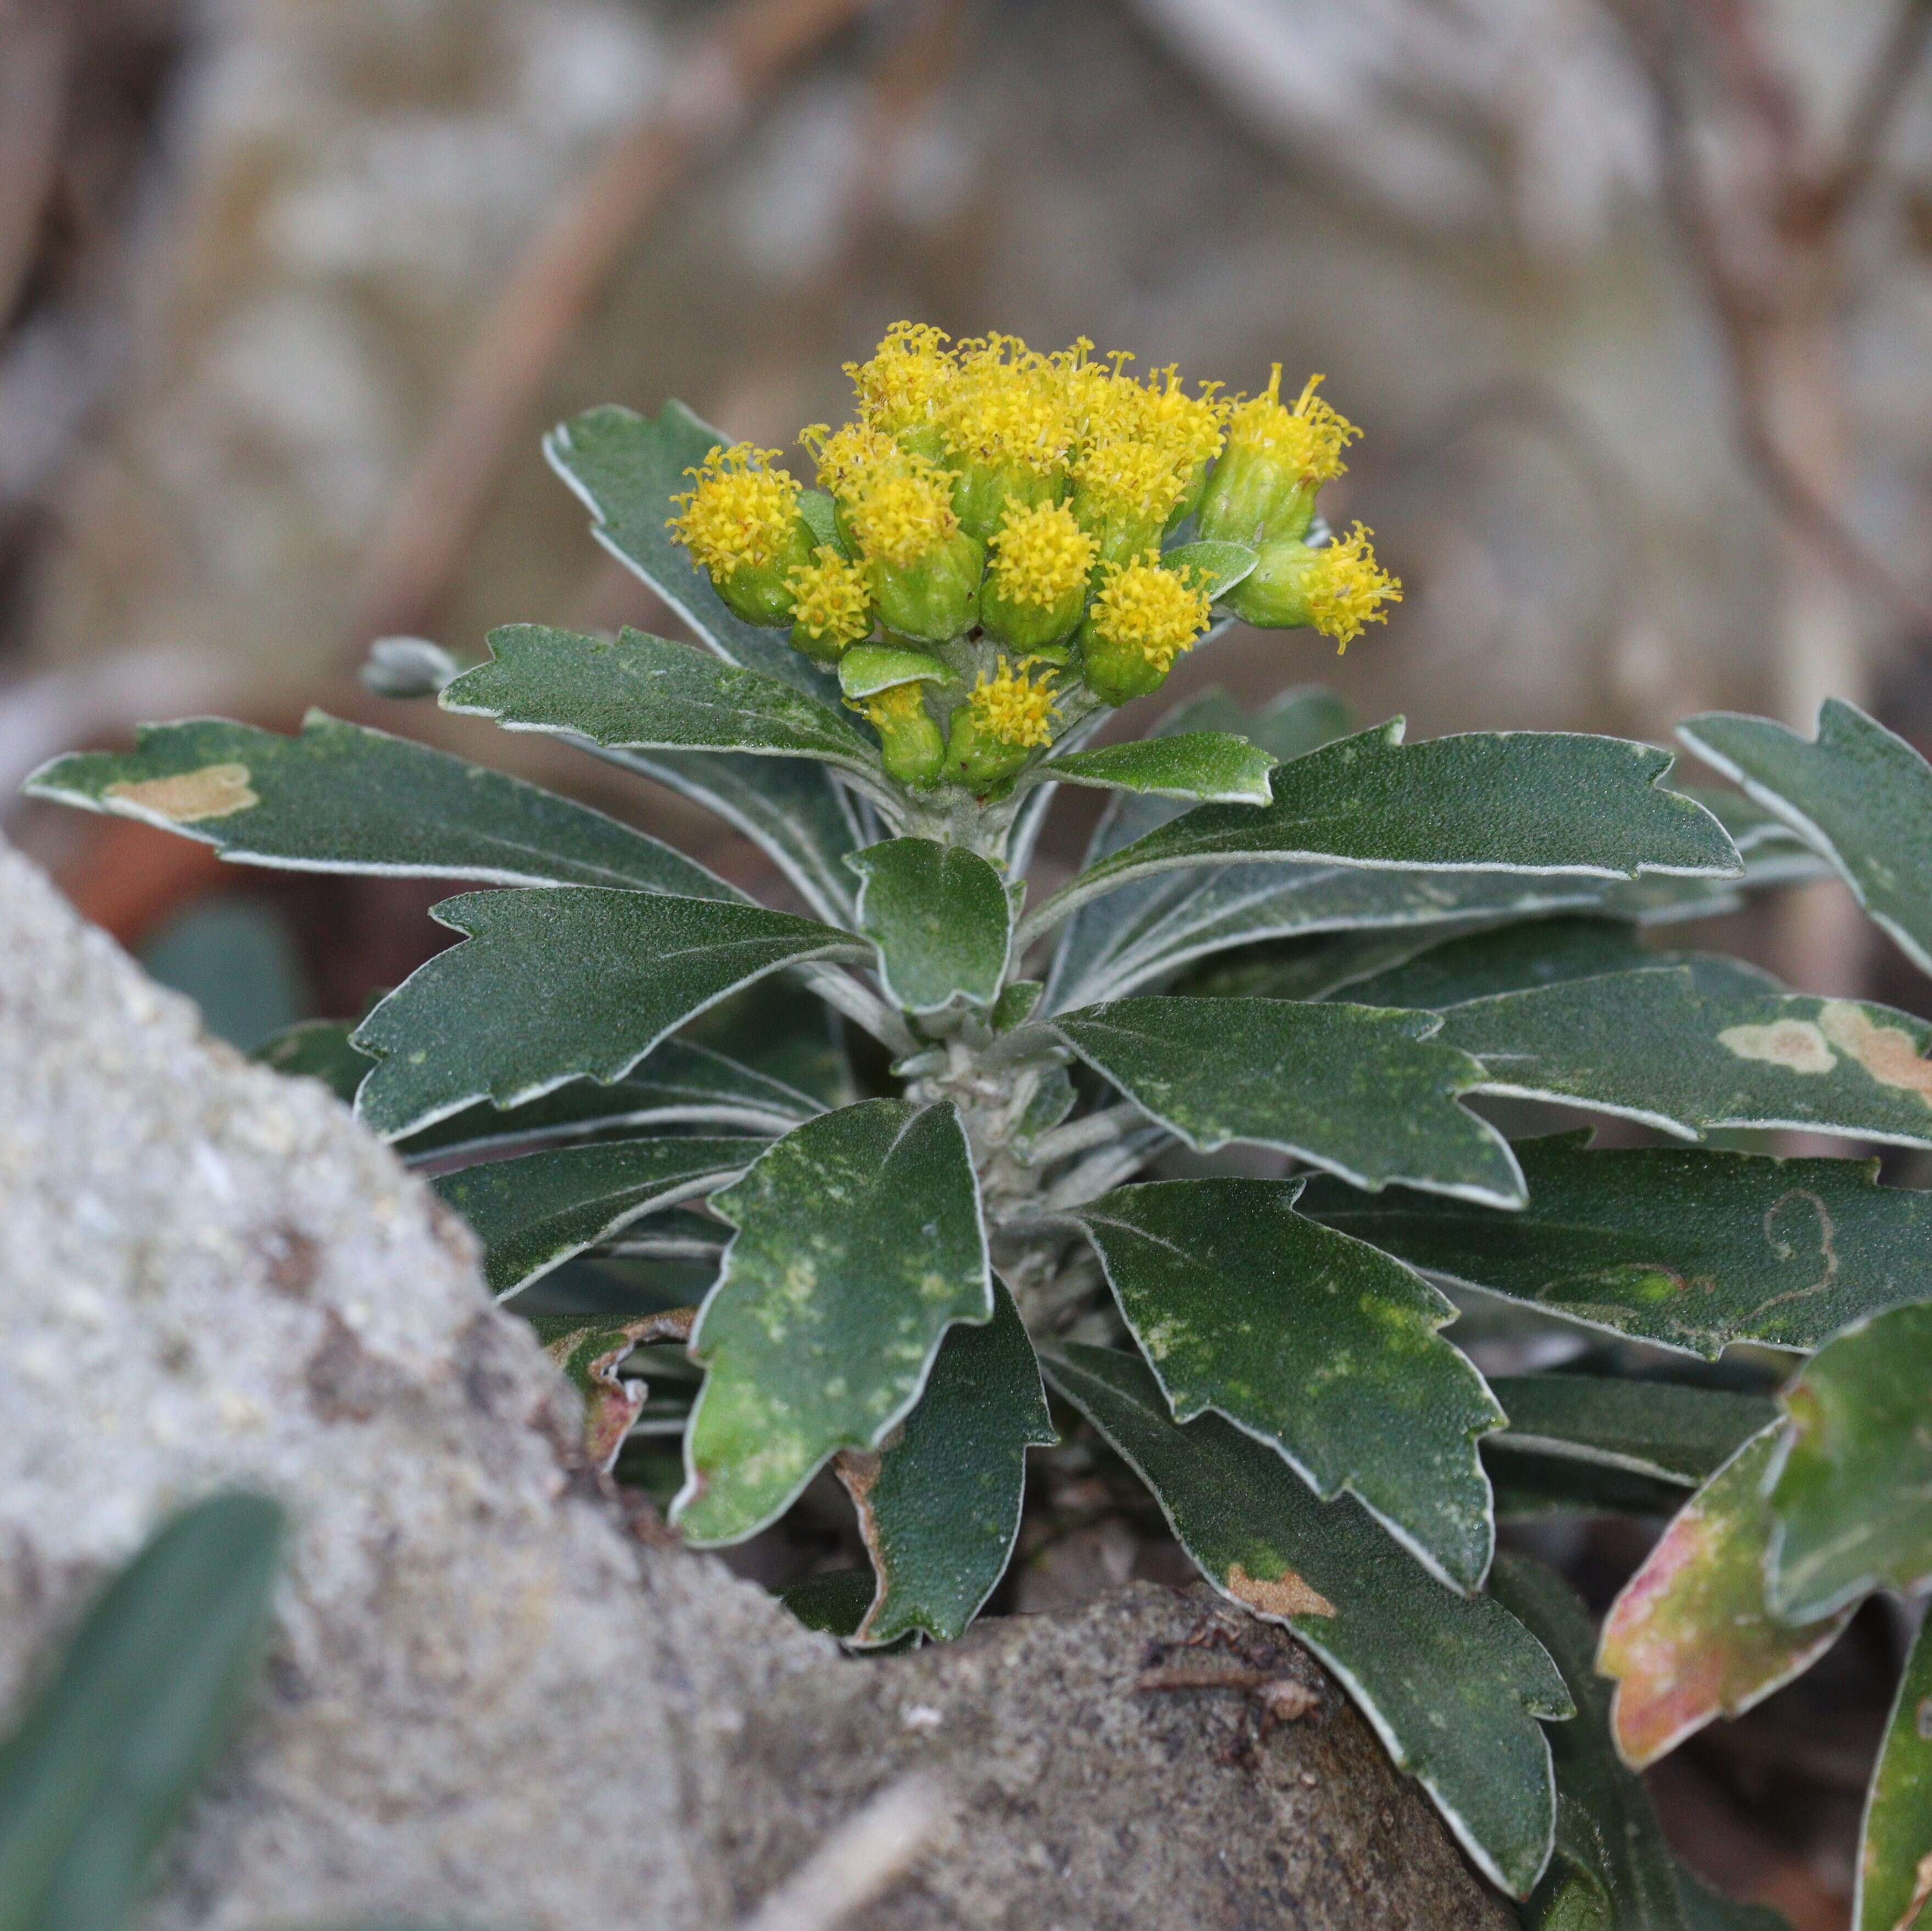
x=834 y=1603
x=1692 y=1636
x=535 y=1214
x=819 y=510
x=792 y=810
x=1653 y=1046
x=1367 y=1094
x=939 y=1504
x=1531 y=1487
x=1690 y=1248
x=643 y=693
x=1522 y=801
x=554 y=986
x=1119 y=944
x=590 y=1356
x=1452 y=1683
x=1859 y=794
x=1623 y=1844
x=678 y=1084
x=1312 y=1343
x=1193 y=764
x=318 y=1049
x=1659 y=1428
x=625 y=468
x=1543 y=951
x=869 y=667
x=1853 y=1494
x=1216 y=567
x=1895 y=1858
x=859 y=1243
x=941 y=918
x=104 y=1757
x=342 y=798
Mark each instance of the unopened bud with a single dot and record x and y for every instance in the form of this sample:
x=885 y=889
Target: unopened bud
x=1276 y=460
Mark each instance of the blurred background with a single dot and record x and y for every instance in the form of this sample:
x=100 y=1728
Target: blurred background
x=1632 y=298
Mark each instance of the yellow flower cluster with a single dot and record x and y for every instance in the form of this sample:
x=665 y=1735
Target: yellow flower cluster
x=1006 y=405
x=1041 y=555
x=1152 y=612
x=834 y=608
x=738 y=514
x=1346 y=587
x=1012 y=709
x=900 y=509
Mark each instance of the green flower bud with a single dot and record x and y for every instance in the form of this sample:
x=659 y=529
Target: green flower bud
x=1035 y=585
x=983 y=493
x=1336 y=589
x=909 y=741
x=1276 y=460
x=976 y=759
x=935 y=598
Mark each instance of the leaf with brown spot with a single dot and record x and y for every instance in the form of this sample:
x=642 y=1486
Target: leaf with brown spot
x=1692 y=1636
x=1452 y=1684
x=591 y=1355
x=214 y=791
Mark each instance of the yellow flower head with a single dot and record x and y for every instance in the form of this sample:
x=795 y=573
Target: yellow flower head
x=739 y=512
x=896 y=704
x=901 y=510
x=1008 y=406
x=834 y=606
x=844 y=455
x=904 y=384
x=1156 y=612
x=1013 y=709
x=1309 y=438
x=1346 y=588
x=1041 y=555
x=1190 y=428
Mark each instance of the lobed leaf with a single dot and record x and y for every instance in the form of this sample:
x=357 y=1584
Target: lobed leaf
x=1655 y=1046
x=641 y=693
x=859 y=1243
x=1452 y=1683
x=1368 y=1095
x=534 y=1213
x=1314 y=1344
x=625 y=468
x=573 y=984
x=939 y=1504
x=105 y=1755
x=941 y=918
x=1895 y=1880
x=1190 y=764
x=343 y=798
x=1692 y=1636
x=1853 y=1483
x=1688 y=1248
x=1661 y=1429
x=1858 y=793
x=1523 y=801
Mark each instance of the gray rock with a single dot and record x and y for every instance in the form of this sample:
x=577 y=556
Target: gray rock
x=486 y=1701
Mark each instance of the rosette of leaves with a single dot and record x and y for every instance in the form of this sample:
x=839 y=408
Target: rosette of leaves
x=1317 y=946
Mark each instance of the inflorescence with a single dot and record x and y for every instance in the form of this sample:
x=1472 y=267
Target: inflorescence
x=1003 y=535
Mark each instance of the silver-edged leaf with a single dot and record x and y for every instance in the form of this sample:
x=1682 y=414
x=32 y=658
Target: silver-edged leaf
x=1655 y=1046
x=534 y=1212
x=939 y=1504
x=859 y=1243
x=1662 y=1429
x=1853 y=1486
x=343 y=798
x=1317 y=1344
x=941 y=918
x=1858 y=793
x=1367 y=1094
x=1894 y=1864
x=1201 y=765
x=1691 y=1249
x=635 y=692
x=625 y=468
x=577 y=983
x=1452 y=1684
x=1521 y=801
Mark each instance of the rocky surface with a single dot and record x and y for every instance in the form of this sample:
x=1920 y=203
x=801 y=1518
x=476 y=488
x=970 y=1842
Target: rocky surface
x=487 y=1704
